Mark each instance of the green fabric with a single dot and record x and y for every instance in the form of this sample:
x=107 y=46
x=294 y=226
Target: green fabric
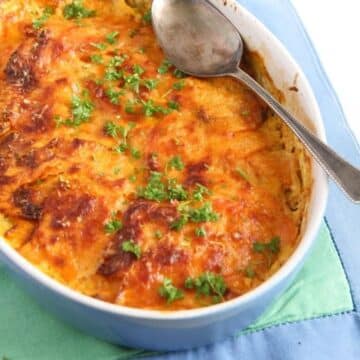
x=28 y=333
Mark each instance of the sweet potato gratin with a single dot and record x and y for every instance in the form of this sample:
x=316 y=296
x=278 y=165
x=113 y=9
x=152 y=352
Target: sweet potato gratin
x=127 y=181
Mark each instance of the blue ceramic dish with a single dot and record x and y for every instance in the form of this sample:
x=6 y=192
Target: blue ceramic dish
x=157 y=330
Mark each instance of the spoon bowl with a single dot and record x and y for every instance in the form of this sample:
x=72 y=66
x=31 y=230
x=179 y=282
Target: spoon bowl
x=201 y=41
x=190 y=25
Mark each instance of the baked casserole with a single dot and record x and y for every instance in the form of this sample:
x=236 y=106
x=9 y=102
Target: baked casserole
x=125 y=179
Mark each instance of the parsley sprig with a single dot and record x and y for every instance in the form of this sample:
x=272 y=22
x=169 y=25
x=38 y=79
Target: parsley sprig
x=170 y=292
x=112 y=226
x=273 y=246
x=40 y=22
x=208 y=284
x=76 y=10
x=131 y=247
x=81 y=107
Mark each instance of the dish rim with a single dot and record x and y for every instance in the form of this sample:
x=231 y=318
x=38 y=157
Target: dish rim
x=305 y=243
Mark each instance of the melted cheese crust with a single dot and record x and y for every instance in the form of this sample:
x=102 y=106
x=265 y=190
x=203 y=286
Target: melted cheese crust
x=60 y=185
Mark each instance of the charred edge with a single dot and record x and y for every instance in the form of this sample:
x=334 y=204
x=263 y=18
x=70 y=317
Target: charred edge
x=20 y=69
x=195 y=174
x=137 y=214
x=22 y=199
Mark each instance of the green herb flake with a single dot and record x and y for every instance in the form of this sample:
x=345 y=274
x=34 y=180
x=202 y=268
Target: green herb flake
x=132 y=178
x=179 y=85
x=208 y=284
x=133 y=82
x=112 y=226
x=82 y=109
x=112 y=37
x=40 y=22
x=131 y=247
x=179 y=223
x=155 y=190
x=176 y=163
x=168 y=291
x=113 y=130
x=151 y=109
x=96 y=59
x=250 y=272
x=200 y=191
x=173 y=105
x=147 y=17
x=164 y=67
x=200 y=232
x=76 y=10
x=99 y=46
x=150 y=84
x=242 y=174
x=176 y=191
x=203 y=214
x=158 y=234
x=113 y=95
x=137 y=69
x=273 y=246
x=136 y=154
x=179 y=74
x=112 y=74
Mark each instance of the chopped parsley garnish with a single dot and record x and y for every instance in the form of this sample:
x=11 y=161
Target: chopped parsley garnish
x=112 y=129
x=179 y=85
x=199 y=215
x=113 y=95
x=131 y=247
x=130 y=106
x=200 y=232
x=113 y=226
x=133 y=81
x=136 y=154
x=111 y=38
x=81 y=108
x=273 y=246
x=242 y=174
x=250 y=272
x=176 y=191
x=112 y=74
x=124 y=132
x=179 y=223
x=208 y=284
x=200 y=191
x=164 y=67
x=150 y=83
x=76 y=10
x=137 y=69
x=203 y=214
x=158 y=234
x=168 y=291
x=155 y=190
x=179 y=74
x=117 y=60
x=176 y=163
x=100 y=46
x=151 y=109
x=147 y=17
x=96 y=59
x=40 y=22
x=174 y=105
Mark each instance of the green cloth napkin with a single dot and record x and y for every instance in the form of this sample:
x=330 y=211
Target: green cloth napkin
x=29 y=333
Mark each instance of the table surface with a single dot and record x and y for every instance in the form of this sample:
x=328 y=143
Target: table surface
x=335 y=32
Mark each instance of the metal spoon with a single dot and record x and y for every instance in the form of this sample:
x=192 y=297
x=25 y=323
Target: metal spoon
x=199 y=40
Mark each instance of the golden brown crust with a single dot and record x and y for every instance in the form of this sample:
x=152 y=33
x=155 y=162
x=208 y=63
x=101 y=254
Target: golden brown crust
x=87 y=120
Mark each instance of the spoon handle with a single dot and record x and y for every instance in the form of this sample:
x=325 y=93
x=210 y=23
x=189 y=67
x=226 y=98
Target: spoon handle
x=342 y=172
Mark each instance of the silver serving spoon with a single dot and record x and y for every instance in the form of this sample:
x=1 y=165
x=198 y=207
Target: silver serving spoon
x=199 y=40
